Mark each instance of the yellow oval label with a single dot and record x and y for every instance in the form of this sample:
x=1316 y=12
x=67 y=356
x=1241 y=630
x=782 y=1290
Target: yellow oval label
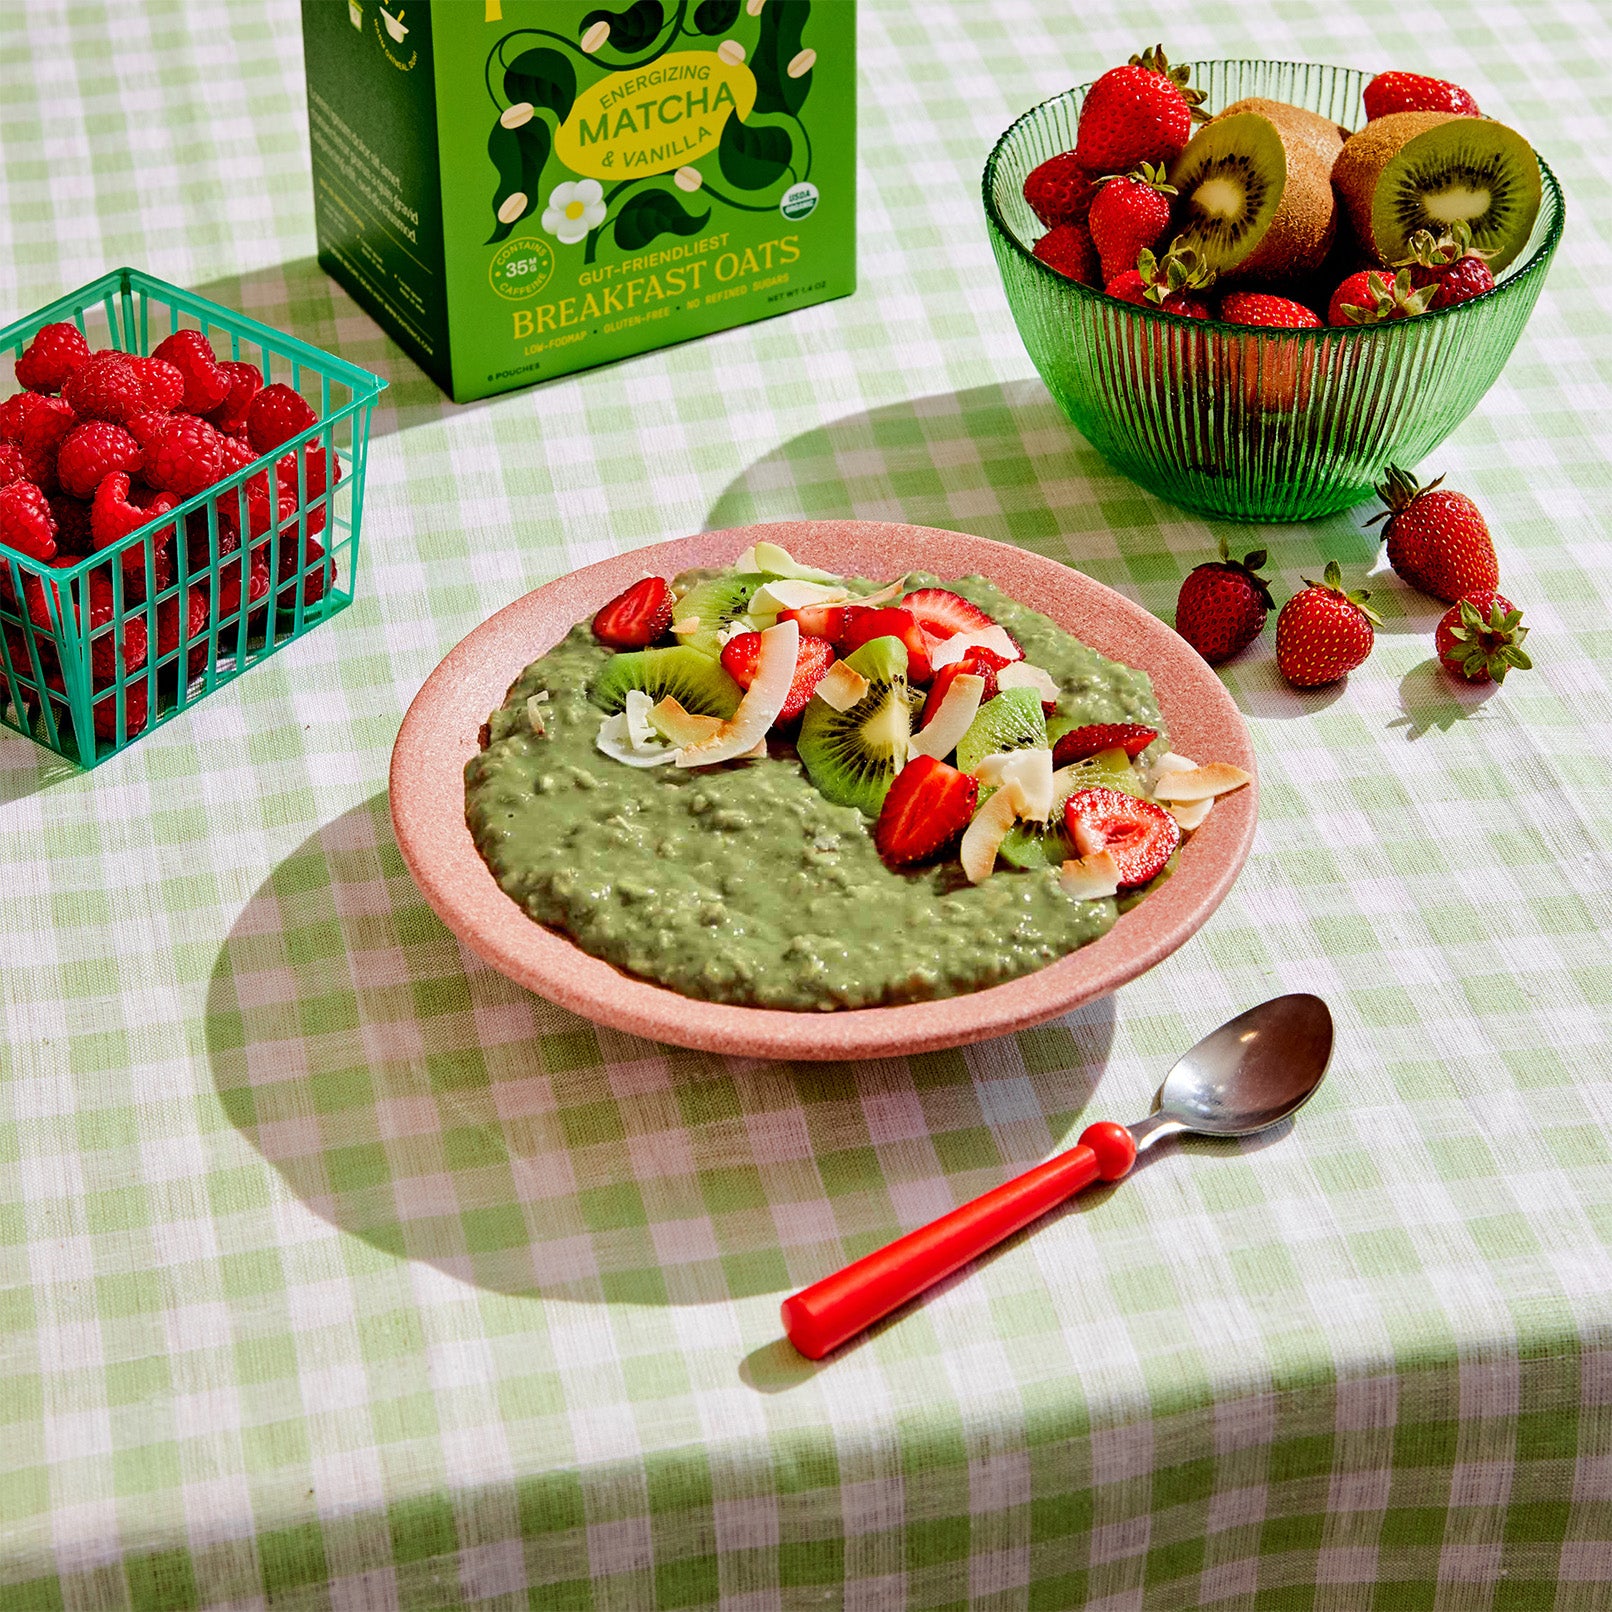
x=656 y=118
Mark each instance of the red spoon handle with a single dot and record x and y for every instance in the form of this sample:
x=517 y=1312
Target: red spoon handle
x=824 y=1315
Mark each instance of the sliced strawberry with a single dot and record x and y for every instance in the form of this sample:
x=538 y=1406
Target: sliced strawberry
x=941 y=613
x=1079 y=743
x=1140 y=836
x=864 y=625
x=819 y=621
x=814 y=657
x=636 y=618
x=980 y=662
x=928 y=806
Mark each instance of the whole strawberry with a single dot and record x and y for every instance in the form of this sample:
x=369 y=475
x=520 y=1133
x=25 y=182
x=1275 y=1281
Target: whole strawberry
x=1129 y=214
x=1413 y=92
x=1167 y=283
x=1068 y=249
x=1372 y=297
x=54 y=353
x=1450 y=263
x=1437 y=540
x=1142 y=112
x=1222 y=605
x=1479 y=638
x=1324 y=632
x=1059 y=191
x=1267 y=311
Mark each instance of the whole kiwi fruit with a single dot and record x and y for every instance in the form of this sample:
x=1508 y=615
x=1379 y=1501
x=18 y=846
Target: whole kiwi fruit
x=1256 y=198
x=1428 y=170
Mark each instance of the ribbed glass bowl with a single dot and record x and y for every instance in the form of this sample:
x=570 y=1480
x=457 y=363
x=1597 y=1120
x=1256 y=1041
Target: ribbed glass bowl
x=1229 y=421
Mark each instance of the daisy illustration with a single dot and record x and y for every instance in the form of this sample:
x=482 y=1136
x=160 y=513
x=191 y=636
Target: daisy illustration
x=574 y=208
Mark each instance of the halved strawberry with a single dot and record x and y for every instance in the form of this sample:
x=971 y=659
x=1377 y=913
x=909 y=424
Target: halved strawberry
x=928 y=806
x=812 y=660
x=942 y=613
x=980 y=662
x=1079 y=743
x=864 y=625
x=819 y=621
x=636 y=618
x=1140 y=836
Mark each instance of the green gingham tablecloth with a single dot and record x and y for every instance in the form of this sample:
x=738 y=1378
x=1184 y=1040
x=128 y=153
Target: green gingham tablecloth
x=338 y=1273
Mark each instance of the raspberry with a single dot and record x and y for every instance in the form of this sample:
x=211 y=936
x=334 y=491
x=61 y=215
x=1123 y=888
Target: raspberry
x=146 y=428
x=245 y=382
x=276 y=415
x=106 y=646
x=72 y=517
x=91 y=453
x=233 y=455
x=315 y=472
x=229 y=599
x=318 y=572
x=112 y=516
x=54 y=353
x=195 y=628
x=42 y=434
x=185 y=458
x=26 y=523
x=135 y=706
x=206 y=385
x=105 y=387
x=12 y=465
x=162 y=383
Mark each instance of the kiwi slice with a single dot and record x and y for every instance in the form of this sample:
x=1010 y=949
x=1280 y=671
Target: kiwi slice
x=1012 y=721
x=1429 y=170
x=695 y=681
x=1321 y=134
x=1039 y=845
x=716 y=600
x=1256 y=199
x=853 y=756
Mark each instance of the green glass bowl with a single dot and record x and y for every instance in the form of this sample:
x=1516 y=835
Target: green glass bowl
x=1229 y=421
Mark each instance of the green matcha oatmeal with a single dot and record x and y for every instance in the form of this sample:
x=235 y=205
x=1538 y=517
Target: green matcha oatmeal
x=773 y=787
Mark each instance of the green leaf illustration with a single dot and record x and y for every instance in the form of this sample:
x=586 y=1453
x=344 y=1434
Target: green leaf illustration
x=543 y=77
x=632 y=29
x=655 y=212
x=716 y=16
x=782 y=23
x=518 y=155
x=754 y=158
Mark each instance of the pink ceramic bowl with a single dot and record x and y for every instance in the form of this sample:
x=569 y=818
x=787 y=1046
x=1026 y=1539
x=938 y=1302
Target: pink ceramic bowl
x=439 y=735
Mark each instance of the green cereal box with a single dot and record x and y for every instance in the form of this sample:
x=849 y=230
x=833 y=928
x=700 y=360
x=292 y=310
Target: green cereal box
x=517 y=189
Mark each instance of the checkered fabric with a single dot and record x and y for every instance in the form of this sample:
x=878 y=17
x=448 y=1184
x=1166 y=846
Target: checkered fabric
x=338 y=1273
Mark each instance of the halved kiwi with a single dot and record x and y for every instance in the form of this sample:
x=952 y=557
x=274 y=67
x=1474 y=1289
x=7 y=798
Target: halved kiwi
x=1429 y=170
x=695 y=681
x=1039 y=845
x=716 y=600
x=1321 y=134
x=1012 y=721
x=1256 y=199
x=853 y=756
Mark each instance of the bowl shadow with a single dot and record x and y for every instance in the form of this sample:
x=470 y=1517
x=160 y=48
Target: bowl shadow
x=419 y=1101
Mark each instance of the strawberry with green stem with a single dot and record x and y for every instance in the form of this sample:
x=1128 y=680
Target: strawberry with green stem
x=1438 y=540
x=1479 y=638
x=1142 y=112
x=1456 y=269
x=1373 y=297
x=1223 y=604
x=1130 y=214
x=1324 y=632
x=1166 y=282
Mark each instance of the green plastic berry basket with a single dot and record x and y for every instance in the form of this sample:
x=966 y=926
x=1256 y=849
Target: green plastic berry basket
x=97 y=650
x=1225 y=420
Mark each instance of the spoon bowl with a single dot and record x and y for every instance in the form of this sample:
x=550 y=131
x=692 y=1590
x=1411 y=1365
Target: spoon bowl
x=1252 y=1072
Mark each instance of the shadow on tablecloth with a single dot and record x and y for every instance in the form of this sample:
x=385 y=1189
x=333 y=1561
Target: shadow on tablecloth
x=416 y=1099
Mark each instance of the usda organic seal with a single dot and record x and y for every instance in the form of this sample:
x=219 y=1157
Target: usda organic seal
x=798 y=200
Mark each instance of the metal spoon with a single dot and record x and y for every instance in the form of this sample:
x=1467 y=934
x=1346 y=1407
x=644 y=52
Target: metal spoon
x=1252 y=1072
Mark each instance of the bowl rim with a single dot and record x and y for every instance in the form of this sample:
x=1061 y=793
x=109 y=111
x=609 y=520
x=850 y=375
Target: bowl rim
x=1536 y=263
x=439 y=734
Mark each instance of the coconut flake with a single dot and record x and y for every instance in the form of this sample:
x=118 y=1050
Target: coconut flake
x=615 y=741
x=891 y=590
x=1025 y=775
x=758 y=710
x=938 y=738
x=681 y=727
x=639 y=732
x=842 y=686
x=959 y=644
x=534 y=712
x=982 y=836
x=1023 y=675
x=1202 y=783
x=746 y=565
x=1189 y=813
x=687 y=625
x=779 y=562
x=787 y=594
x=1090 y=877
